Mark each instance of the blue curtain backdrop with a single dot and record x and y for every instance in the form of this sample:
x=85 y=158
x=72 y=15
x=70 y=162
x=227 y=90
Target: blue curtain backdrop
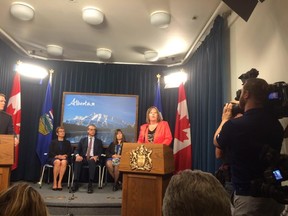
x=205 y=103
x=204 y=92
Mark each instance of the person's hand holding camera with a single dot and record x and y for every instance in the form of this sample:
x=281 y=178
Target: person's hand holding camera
x=227 y=112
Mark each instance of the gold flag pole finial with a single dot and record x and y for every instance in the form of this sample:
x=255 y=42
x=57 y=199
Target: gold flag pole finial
x=158 y=77
x=51 y=71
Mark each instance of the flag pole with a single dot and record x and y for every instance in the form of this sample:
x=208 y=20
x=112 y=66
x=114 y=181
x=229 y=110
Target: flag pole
x=157 y=100
x=46 y=121
x=51 y=71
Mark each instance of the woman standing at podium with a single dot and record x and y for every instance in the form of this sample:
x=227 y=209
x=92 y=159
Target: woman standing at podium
x=155 y=130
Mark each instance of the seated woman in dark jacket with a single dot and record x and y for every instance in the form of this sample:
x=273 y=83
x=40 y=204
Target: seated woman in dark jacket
x=113 y=154
x=59 y=155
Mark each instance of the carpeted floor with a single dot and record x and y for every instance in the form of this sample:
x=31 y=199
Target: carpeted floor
x=102 y=202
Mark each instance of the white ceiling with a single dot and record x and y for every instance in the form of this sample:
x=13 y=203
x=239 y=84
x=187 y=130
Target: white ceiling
x=126 y=29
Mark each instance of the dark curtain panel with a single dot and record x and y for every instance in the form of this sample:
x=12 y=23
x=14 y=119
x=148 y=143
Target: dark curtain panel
x=203 y=90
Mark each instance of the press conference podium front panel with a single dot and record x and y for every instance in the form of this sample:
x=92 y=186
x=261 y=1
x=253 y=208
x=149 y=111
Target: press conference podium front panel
x=147 y=170
x=6 y=159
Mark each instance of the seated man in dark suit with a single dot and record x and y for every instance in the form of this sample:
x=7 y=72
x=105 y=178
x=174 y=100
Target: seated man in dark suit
x=88 y=152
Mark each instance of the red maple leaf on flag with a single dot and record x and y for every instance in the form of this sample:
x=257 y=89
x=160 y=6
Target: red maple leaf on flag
x=181 y=133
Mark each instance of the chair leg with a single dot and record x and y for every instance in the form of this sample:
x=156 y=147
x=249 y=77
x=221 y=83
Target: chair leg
x=106 y=177
x=99 y=177
x=71 y=182
x=42 y=175
x=69 y=175
x=48 y=176
x=102 y=175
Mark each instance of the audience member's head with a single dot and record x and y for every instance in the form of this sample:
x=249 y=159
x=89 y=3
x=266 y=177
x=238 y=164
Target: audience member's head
x=195 y=193
x=21 y=200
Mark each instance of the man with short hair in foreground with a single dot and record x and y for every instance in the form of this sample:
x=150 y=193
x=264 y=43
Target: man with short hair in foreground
x=195 y=193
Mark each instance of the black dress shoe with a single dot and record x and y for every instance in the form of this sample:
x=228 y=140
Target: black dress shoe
x=90 y=188
x=75 y=187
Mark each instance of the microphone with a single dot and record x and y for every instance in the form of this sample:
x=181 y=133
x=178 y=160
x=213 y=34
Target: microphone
x=145 y=133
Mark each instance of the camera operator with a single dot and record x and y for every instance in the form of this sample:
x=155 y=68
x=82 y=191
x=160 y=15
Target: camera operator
x=244 y=137
x=223 y=174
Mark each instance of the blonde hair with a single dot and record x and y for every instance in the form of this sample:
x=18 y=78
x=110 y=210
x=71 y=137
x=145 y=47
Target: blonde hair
x=159 y=115
x=22 y=199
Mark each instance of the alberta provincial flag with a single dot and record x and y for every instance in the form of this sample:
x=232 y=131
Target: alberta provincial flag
x=14 y=109
x=45 y=126
x=157 y=100
x=182 y=148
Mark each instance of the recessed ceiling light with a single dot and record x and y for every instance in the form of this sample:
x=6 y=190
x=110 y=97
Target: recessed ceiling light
x=22 y=11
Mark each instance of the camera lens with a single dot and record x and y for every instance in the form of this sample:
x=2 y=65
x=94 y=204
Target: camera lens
x=236 y=110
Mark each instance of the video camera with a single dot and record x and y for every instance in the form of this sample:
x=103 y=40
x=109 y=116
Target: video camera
x=277 y=97
x=275 y=174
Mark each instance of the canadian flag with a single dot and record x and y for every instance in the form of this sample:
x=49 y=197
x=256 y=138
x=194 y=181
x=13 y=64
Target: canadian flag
x=14 y=109
x=182 y=148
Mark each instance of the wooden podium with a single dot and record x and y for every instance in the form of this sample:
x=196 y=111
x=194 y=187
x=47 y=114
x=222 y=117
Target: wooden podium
x=147 y=169
x=6 y=159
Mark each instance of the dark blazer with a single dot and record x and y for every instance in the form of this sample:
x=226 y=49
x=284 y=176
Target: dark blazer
x=111 y=150
x=54 y=149
x=83 y=145
x=6 y=125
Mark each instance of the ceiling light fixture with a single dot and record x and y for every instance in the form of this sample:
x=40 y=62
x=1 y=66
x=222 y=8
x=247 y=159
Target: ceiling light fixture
x=103 y=53
x=92 y=15
x=30 y=70
x=151 y=55
x=22 y=11
x=160 y=19
x=54 y=50
x=174 y=80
